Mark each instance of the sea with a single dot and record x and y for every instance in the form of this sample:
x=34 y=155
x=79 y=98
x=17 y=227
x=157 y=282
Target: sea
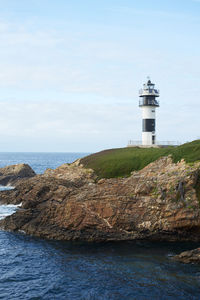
x=33 y=268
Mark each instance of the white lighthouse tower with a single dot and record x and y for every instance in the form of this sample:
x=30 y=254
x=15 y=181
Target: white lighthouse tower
x=148 y=103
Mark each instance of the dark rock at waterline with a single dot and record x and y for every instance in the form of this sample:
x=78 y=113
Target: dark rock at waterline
x=192 y=256
x=10 y=175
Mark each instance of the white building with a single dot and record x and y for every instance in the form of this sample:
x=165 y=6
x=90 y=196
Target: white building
x=148 y=102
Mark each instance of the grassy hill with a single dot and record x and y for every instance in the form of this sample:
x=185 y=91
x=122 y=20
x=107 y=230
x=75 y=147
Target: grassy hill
x=121 y=162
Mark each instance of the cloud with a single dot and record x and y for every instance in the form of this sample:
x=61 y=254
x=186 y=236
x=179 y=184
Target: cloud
x=60 y=60
x=152 y=12
x=35 y=125
x=74 y=87
x=106 y=60
x=80 y=60
x=87 y=126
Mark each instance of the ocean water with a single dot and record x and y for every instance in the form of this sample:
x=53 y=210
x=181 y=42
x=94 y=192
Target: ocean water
x=32 y=268
x=38 y=161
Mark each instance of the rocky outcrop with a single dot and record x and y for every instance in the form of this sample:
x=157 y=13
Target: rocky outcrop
x=74 y=172
x=10 y=175
x=192 y=256
x=159 y=202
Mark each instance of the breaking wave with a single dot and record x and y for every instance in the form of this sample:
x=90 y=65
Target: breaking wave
x=7 y=210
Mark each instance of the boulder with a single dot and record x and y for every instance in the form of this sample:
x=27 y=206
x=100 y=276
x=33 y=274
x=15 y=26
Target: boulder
x=10 y=175
x=192 y=256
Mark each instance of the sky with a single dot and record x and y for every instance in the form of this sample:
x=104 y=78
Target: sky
x=70 y=71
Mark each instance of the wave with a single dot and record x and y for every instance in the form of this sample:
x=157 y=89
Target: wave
x=8 y=210
x=6 y=188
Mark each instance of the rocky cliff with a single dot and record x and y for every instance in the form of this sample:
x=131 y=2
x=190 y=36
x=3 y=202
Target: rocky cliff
x=160 y=202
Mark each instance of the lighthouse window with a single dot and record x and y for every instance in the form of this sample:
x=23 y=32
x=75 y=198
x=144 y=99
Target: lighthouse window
x=148 y=125
x=153 y=110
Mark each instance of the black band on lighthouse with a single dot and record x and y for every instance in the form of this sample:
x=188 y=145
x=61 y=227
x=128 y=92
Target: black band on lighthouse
x=148 y=125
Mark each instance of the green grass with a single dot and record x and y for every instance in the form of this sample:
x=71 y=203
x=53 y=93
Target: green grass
x=121 y=162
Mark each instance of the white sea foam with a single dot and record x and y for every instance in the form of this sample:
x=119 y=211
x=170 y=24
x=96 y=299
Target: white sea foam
x=8 y=210
x=6 y=188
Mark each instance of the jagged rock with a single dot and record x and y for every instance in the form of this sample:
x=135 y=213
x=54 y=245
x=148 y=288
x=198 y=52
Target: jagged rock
x=74 y=172
x=192 y=256
x=10 y=175
x=159 y=202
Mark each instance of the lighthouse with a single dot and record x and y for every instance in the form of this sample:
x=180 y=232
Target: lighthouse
x=148 y=102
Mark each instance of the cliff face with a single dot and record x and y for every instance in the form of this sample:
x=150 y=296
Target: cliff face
x=159 y=202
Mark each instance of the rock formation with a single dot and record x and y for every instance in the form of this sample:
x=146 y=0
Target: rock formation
x=74 y=172
x=10 y=175
x=192 y=256
x=159 y=202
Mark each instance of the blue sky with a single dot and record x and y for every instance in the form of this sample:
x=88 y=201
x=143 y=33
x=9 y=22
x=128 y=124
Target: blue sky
x=70 y=72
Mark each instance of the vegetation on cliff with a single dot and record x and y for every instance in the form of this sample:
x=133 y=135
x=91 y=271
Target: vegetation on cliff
x=121 y=162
